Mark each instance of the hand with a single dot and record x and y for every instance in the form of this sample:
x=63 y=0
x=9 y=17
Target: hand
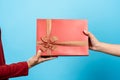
x=93 y=42
x=37 y=59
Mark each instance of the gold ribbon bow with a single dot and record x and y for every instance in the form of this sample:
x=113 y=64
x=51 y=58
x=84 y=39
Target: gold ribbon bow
x=49 y=43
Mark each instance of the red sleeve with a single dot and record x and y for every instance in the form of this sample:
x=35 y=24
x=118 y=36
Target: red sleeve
x=13 y=70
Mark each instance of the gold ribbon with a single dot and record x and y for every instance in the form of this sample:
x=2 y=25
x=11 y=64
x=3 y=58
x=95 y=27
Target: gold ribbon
x=49 y=43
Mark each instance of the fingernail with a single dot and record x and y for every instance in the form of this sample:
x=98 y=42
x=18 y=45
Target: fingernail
x=85 y=31
x=39 y=51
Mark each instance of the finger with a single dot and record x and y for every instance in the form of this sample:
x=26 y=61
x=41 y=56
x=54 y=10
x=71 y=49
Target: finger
x=49 y=58
x=46 y=59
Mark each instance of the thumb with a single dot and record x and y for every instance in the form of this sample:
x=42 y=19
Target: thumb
x=90 y=35
x=38 y=55
x=86 y=32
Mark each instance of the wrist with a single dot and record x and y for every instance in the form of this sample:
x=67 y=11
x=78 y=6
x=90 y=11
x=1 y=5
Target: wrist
x=29 y=65
x=99 y=46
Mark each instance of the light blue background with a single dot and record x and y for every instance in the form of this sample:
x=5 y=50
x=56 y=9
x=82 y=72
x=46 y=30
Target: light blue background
x=18 y=23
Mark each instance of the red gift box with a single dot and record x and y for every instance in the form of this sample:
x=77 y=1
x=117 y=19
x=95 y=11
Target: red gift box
x=62 y=37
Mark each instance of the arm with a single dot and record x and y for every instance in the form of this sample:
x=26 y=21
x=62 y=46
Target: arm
x=112 y=49
x=21 y=68
x=96 y=45
x=13 y=70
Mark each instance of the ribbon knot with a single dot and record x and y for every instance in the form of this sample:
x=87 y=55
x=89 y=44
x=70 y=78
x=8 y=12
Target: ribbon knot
x=48 y=43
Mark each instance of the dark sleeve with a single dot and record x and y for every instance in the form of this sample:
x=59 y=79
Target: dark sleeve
x=14 y=70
